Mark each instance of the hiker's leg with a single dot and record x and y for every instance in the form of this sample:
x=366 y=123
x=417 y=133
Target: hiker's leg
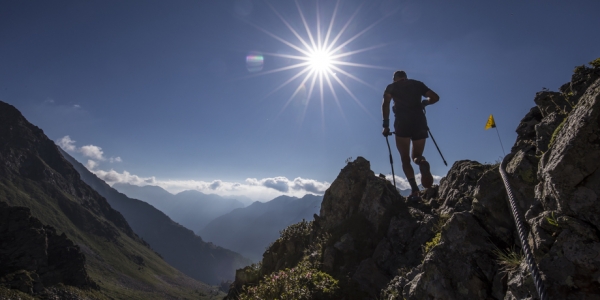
x=418 y=147
x=403 y=145
x=424 y=168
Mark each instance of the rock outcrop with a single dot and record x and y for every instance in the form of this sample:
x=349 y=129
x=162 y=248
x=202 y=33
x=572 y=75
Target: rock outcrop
x=34 y=256
x=460 y=240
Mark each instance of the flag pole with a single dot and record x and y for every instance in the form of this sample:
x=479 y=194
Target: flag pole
x=500 y=140
x=492 y=124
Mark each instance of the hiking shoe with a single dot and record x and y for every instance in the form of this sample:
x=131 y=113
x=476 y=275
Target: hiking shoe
x=414 y=196
x=426 y=177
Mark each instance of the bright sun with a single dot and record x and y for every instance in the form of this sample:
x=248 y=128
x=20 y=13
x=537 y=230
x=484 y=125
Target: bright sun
x=320 y=61
x=321 y=57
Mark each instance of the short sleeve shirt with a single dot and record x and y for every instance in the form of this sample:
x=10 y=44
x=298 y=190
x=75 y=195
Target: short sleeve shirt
x=407 y=95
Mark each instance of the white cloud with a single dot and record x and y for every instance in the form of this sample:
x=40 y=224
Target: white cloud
x=66 y=143
x=91 y=164
x=92 y=151
x=256 y=189
x=76 y=106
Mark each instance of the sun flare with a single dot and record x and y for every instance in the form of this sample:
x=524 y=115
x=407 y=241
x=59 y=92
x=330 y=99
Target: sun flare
x=321 y=58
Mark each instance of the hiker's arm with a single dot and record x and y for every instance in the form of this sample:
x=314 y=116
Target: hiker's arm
x=433 y=97
x=385 y=106
x=385 y=111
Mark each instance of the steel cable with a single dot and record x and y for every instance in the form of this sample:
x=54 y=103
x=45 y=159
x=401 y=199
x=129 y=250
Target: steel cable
x=535 y=273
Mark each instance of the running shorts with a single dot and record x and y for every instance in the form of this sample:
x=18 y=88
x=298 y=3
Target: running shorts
x=413 y=126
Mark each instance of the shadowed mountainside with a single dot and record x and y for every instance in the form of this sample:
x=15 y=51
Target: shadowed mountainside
x=67 y=218
x=251 y=229
x=179 y=246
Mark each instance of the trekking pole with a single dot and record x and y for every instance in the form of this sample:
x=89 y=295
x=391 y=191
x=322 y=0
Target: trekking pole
x=438 y=148
x=391 y=160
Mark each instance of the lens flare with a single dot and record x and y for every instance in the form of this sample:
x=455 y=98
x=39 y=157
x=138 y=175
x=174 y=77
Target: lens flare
x=254 y=62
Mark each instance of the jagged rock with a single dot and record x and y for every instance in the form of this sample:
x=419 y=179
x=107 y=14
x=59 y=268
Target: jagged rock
x=369 y=278
x=491 y=208
x=406 y=236
x=456 y=189
x=346 y=244
x=520 y=284
x=581 y=79
x=34 y=256
x=544 y=131
x=526 y=132
x=358 y=191
x=570 y=170
x=552 y=102
x=459 y=267
x=343 y=197
x=522 y=168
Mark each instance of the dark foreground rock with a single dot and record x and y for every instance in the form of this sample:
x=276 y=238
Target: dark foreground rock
x=34 y=257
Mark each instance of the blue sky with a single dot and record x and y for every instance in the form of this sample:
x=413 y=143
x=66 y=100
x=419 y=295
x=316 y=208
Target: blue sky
x=165 y=91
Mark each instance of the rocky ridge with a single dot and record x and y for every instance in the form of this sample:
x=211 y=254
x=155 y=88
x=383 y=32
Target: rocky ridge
x=460 y=241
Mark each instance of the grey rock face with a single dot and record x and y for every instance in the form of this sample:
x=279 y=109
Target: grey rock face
x=459 y=267
x=569 y=171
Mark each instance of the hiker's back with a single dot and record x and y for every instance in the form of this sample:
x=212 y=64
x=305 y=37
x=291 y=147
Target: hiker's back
x=407 y=95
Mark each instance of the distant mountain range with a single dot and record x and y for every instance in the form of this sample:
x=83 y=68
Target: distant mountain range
x=251 y=229
x=191 y=209
x=179 y=246
x=60 y=239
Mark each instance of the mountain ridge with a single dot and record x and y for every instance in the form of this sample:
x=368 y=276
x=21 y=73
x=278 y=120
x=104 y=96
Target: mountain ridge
x=193 y=209
x=179 y=246
x=250 y=229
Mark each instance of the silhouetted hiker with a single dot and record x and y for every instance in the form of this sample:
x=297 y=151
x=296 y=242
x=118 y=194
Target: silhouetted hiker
x=410 y=124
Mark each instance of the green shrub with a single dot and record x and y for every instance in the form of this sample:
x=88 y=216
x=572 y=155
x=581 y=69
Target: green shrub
x=301 y=282
x=595 y=63
x=434 y=242
x=296 y=230
x=579 y=69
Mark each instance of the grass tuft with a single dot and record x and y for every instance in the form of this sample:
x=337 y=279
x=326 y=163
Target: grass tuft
x=509 y=259
x=552 y=220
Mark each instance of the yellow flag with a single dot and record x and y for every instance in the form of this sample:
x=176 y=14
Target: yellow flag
x=490 y=123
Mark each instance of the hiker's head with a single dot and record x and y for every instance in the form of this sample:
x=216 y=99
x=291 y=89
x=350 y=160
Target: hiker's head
x=399 y=75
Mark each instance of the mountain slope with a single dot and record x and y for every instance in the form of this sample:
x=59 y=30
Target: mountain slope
x=191 y=209
x=179 y=246
x=249 y=230
x=34 y=174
